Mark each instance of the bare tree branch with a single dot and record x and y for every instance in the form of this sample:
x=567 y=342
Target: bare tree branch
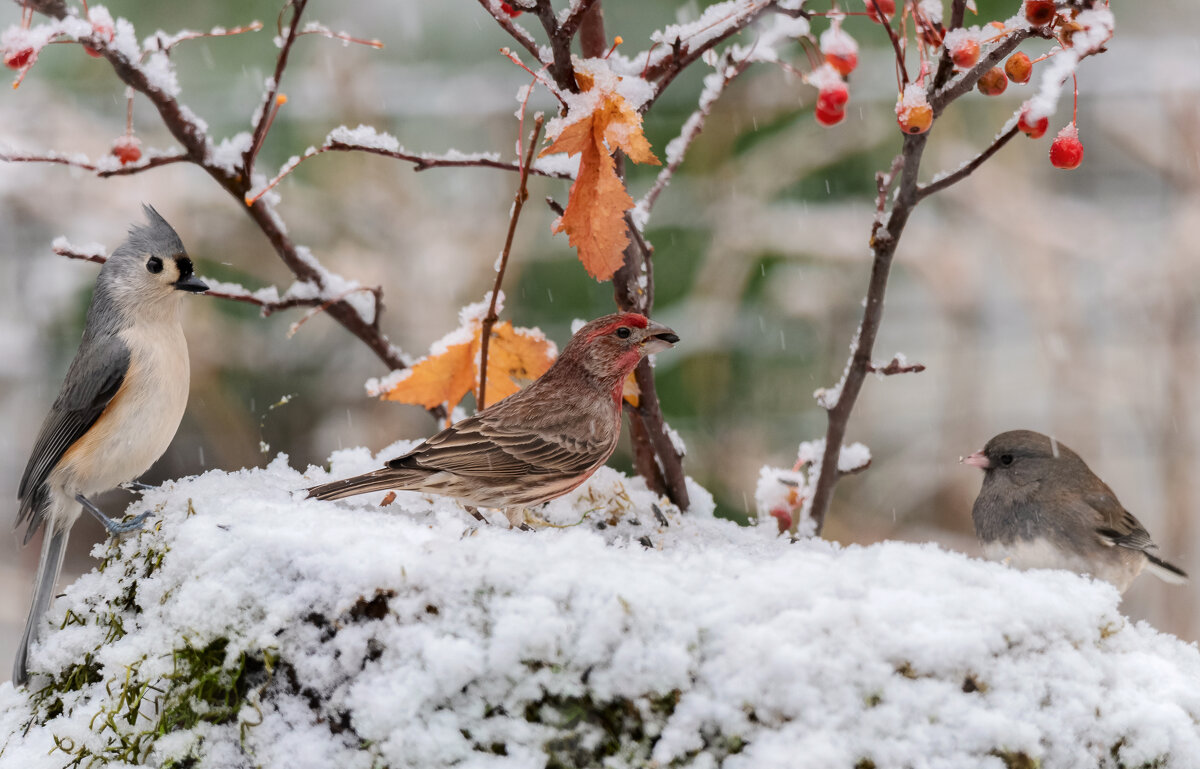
x=147 y=162
x=246 y=296
x=942 y=182
x=515 y=30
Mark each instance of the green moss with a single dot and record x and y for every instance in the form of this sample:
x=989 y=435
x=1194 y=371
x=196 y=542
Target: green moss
x=1015 y=759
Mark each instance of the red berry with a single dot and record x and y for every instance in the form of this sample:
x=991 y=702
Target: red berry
x=833 y=96
x=784 y=518
x=1039 y=13
x=1067 y=151
x=19 y=58
x=965 y=53
x=1018 y=68
x=127 y=149
x=512 y=12
x=844 y=63
x=913 y=113
x=993 y=82
x=887 y=6
x=1036 y=129
x=828 y=115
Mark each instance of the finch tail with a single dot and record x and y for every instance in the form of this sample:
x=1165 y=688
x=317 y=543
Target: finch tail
x=54 y=545
x=1167 y=572
x=379 y=480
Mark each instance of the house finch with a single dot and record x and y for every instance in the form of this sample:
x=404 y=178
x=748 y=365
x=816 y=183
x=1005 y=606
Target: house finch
x=1041 y=507
x=537 y=444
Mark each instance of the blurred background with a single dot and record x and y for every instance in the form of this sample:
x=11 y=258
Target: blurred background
x=1064 y=302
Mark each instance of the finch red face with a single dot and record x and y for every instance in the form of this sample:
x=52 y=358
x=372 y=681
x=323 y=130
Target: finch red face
x=612 y=346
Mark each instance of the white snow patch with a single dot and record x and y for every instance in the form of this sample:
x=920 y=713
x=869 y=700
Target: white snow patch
x=430 y=639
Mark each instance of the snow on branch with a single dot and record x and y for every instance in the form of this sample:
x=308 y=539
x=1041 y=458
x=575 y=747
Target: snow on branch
x=105 y=167
x=368 y=139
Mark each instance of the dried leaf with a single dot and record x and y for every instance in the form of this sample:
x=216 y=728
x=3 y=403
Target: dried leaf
x=594 y=219
x=630 y=391
x=516 y=357
x=439 y=379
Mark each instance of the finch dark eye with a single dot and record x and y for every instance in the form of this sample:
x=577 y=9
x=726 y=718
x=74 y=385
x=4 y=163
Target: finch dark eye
x=154 y=265
x=1006 y=459
x=623 y=332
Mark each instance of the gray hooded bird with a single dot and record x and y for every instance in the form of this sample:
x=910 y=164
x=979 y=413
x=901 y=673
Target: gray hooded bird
x=1041 y=507
x=119 y=406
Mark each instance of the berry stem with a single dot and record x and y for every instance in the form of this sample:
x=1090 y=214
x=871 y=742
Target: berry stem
x=1075 y=106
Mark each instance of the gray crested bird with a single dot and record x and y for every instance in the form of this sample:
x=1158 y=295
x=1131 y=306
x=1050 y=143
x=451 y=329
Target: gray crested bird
x=536 y=444
x=1041 y=507
x=119 y=406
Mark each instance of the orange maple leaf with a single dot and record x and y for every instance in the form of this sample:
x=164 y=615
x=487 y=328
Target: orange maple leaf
x=594 y=219
x=516 y=357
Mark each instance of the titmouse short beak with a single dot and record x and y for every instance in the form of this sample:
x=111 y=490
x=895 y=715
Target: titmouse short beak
x=191 y=283
x=658 y=338
x=977 y=460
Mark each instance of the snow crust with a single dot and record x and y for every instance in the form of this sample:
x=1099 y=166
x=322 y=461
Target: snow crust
x=412 y=636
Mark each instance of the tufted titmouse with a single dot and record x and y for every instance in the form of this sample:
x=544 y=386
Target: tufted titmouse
x=119 y=405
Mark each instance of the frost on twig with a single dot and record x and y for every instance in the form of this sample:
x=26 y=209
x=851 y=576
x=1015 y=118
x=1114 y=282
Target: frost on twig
x=787 y=494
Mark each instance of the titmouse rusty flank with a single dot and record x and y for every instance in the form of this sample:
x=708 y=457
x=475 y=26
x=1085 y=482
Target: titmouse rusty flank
x=1041 y=507
x=119 y=406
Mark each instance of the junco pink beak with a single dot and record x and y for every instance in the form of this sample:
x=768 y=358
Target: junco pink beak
x=977 y=460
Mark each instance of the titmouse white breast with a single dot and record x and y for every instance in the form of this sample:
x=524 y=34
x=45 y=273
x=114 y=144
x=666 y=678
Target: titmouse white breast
x=119 y=406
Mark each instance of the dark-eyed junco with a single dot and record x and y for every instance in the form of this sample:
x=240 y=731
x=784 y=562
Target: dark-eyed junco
x=1041 y=507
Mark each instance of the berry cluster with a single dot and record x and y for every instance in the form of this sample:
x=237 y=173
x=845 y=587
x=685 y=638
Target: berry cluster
x=964 y=48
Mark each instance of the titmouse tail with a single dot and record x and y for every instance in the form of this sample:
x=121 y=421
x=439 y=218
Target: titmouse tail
x=1167 y=572
x=361 y=484
x=53 y=547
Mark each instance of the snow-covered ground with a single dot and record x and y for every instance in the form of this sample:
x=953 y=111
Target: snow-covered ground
x=246 y=627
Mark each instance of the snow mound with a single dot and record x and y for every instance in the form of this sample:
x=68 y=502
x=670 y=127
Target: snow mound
x=246 y=627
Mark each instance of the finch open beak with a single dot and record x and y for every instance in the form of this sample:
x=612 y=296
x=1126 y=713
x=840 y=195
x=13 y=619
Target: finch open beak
x=658 y=338
x=977 y=460
x=192 y=284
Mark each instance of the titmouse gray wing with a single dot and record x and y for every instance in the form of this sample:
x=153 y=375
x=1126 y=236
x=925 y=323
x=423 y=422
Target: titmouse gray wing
x=92 y=380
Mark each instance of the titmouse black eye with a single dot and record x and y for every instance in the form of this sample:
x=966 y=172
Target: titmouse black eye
x=623 y=332
x=154 y=265
x=1006 y=459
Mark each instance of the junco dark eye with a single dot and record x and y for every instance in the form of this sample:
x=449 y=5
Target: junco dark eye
x=623 y=332
x=154 y=265
x=1006 y=459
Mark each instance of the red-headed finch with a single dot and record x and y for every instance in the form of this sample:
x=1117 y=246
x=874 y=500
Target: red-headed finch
x=537 y=444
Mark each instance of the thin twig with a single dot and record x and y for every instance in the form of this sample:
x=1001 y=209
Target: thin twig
x=270 y=100
x=663 y=72
x=958 y=11
x=692 y=127
x=515 y=30
x=147 y=162
x=421 y=162
x=561 y=68
x=887 y=24
x=894 y=366
x=942 y=182
x=490 y=319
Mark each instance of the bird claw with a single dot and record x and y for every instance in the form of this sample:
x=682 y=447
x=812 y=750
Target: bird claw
x=110 y=525
x=124 y=527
